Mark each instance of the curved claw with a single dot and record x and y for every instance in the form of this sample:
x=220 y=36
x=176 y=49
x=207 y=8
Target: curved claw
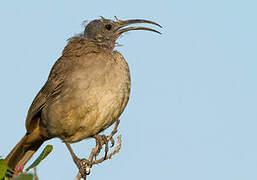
x=112 y=141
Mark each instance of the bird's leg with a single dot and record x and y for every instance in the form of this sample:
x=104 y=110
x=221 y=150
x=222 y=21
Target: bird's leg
x=84 y=165
x=104 y=140
x=81 y=163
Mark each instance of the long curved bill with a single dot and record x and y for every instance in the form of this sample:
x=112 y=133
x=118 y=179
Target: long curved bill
x=122 y=24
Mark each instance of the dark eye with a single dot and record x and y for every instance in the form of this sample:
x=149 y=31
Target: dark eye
x=108 y=26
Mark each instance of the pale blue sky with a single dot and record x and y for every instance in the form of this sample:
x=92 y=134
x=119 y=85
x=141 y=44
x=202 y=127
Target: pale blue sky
x=192 y=113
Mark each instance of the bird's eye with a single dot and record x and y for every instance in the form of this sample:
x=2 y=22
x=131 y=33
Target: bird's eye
x=108 y=26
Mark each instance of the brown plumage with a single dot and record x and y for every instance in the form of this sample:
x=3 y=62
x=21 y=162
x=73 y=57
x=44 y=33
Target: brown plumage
x=86 y=91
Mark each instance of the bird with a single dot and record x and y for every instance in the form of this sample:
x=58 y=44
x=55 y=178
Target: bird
x=86 y=91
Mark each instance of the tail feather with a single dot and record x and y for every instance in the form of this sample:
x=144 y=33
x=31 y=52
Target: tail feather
x=24 y=150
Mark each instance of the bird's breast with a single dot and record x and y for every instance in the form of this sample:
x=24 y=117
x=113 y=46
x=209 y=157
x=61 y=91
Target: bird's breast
x=93 y=97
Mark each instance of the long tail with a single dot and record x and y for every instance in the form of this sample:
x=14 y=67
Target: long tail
x=24 y=150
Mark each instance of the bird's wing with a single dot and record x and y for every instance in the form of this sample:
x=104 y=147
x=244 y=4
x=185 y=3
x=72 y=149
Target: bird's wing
x=36 y=106
x=75 y=48
x=51 y=89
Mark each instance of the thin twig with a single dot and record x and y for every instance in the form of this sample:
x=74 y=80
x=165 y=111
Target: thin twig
x=78 y=177
x=35 y=174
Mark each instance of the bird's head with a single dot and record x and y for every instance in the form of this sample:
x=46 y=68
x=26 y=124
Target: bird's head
x=106 y=31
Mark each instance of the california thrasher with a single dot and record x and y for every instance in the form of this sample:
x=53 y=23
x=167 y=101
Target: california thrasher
x=86 y=91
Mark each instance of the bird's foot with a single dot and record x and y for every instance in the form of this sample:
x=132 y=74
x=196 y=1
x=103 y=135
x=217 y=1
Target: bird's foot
x=84 y=167
x=82 y=164
x=101 y=140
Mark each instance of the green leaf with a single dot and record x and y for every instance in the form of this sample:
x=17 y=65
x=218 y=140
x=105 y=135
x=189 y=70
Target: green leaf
x=3 y=168
x=42 y=156
x=25 y=177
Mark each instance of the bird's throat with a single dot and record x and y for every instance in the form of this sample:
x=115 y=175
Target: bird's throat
x=107 y=45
